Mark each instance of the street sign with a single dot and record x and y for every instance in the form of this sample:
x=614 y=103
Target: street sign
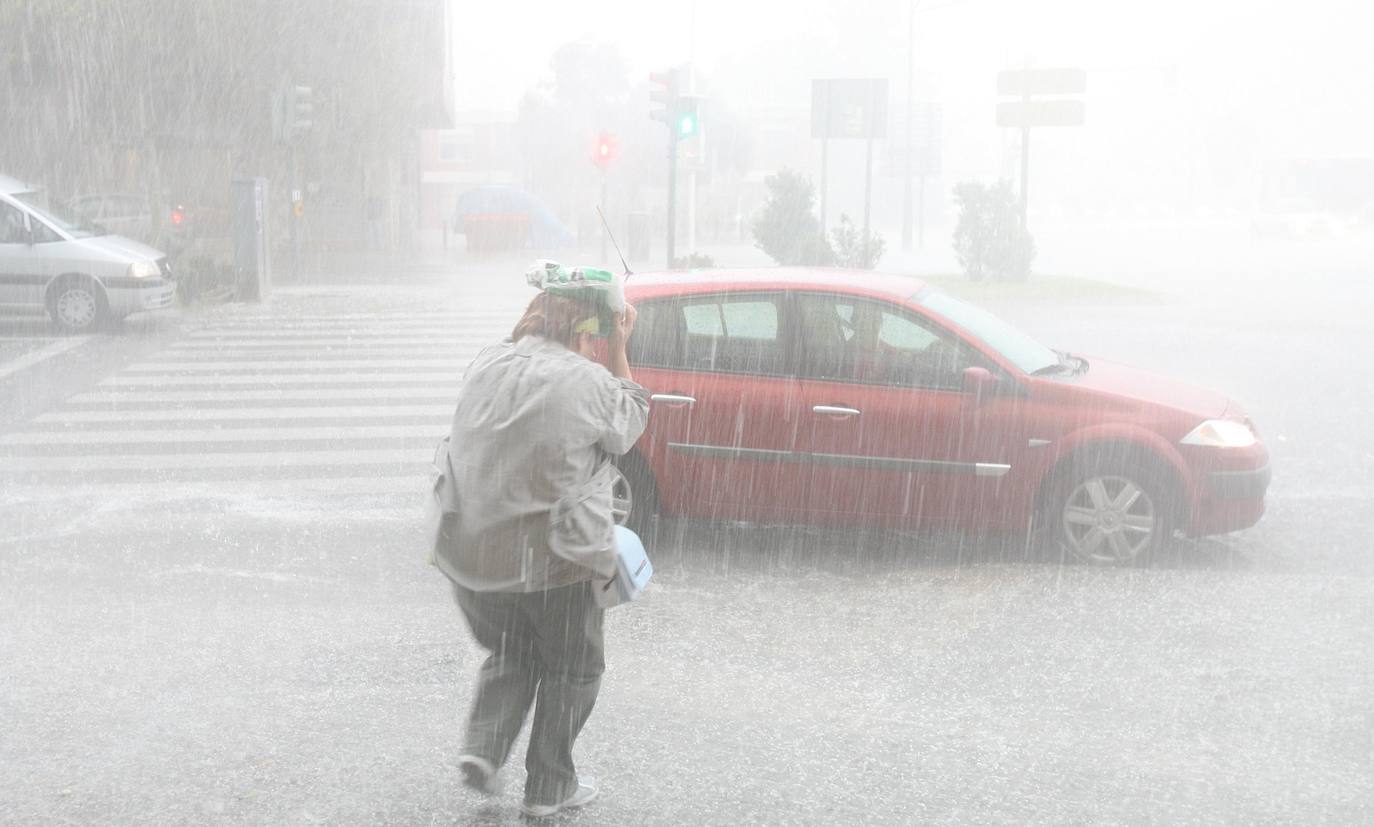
x=849 y=108
x=1027 y=82
x=1026 y=114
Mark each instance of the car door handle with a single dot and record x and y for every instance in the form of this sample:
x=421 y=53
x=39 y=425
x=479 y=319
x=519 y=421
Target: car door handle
x=674 y=399
x=836 y=410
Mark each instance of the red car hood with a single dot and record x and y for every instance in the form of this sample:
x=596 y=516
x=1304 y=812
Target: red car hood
x=1120 y=380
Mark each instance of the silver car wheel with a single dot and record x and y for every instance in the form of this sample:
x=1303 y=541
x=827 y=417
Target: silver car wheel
x=1109 y=519
x=77 y=308
x=622 y=497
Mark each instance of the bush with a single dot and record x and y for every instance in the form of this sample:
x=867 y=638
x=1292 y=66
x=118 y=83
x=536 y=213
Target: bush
x=851 y=250
x=694 y=261
x=205 y=279
x=786 y=227
x=989 y=240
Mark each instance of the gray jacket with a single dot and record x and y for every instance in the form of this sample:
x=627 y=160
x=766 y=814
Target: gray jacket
x=533 y=433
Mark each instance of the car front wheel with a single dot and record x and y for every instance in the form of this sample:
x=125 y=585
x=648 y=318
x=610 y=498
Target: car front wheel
x=77 y=306
x=1111 y=516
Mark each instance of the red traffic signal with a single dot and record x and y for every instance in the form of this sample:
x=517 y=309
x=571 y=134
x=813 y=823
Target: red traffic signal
x=605 y=150
x=664 y=89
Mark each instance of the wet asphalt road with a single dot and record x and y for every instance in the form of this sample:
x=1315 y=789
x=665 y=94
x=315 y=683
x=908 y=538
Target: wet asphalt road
x=214 y=655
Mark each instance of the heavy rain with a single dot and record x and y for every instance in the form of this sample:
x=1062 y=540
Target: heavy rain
x=988 y=383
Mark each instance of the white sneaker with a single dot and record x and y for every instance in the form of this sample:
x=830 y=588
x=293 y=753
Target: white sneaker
x=478 y=774
x=584 y=794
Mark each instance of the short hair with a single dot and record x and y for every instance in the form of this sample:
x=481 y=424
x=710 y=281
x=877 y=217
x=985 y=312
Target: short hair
x=553 y=317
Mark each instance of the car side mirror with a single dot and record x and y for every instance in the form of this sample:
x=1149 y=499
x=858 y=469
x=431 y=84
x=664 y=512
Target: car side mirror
x=979 y=383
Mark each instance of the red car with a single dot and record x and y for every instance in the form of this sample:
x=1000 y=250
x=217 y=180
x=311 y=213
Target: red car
x=839 y=397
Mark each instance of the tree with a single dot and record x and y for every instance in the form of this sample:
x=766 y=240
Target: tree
x=853 y=251
x=989 y=240
x=154 y=94
x=586 y=92
x=786 y=228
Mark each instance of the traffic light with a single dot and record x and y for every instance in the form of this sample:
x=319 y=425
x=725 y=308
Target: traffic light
x=686 y=117
x=664 y=89
x=605 y=150
x=292 y=112
x=299 y=108
x=678 y=110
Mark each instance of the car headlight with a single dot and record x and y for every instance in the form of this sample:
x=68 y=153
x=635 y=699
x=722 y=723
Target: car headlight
x=144 y=270
x=1221 y=433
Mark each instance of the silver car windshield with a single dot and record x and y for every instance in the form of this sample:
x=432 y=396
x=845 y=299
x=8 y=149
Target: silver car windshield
x=70 y=226
x=1018 y=348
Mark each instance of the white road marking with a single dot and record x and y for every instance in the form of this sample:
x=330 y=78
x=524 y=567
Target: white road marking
x=289 y=370
x=410 y=484
x=384 y=315
x=440 y=412
x=115 y=398
x=203 y=347
x=297 y=363
x=273 y=333
x=282 y=434
x=33 y=357
x=266 y=460
x=282 y=379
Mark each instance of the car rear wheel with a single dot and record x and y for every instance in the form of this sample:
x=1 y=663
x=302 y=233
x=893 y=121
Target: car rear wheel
x=77 y=305
x=1111 y=516
x=634 y=497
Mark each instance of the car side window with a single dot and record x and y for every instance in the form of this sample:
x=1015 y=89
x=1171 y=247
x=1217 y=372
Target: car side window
x=855 y=340
x=12 y=225
x=733 y=333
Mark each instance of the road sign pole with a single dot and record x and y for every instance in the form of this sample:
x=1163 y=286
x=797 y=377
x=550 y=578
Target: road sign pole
x=906 y=172
x=1025 y=174
x=825 y=149
x=672 y=193
x=868 y=187
x=921 y=215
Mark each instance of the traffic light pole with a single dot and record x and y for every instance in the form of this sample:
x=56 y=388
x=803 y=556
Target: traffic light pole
x=295 y=219
x=603 y=213
x=672 y=194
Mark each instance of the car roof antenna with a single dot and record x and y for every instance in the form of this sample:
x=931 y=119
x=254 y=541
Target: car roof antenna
x=611 y=236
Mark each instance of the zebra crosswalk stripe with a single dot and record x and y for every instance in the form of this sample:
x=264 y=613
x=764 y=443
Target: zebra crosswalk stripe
x=305 y=409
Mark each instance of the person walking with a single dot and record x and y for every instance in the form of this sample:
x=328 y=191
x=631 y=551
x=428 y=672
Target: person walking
x=536 y=424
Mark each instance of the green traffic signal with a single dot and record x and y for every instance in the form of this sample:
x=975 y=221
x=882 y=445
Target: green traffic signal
x=687 y=125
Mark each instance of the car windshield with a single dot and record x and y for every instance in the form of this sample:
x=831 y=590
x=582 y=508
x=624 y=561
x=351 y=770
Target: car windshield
x=1021 y=350
x=71 y=226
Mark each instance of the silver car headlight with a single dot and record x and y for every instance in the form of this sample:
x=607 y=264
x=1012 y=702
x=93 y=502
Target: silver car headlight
x=1221 y=433
x=144 y=270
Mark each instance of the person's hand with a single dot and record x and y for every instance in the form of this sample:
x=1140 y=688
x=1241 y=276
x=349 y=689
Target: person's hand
x=622 y=326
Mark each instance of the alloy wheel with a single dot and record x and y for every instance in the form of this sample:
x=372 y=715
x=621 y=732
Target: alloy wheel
x=1109 y=519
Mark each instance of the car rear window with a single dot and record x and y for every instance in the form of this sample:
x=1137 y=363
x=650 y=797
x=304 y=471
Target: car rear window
x=731 y=333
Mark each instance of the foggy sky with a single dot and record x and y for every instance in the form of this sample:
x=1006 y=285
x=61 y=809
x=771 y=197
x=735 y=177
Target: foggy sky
x=1295 y=78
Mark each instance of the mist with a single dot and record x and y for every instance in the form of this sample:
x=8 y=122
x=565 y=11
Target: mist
x=1007 y=455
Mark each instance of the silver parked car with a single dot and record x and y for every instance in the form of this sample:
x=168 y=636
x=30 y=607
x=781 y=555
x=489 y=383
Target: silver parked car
x=80 y=273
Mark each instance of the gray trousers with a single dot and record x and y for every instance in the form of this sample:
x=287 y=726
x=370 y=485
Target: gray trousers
x=547 y=650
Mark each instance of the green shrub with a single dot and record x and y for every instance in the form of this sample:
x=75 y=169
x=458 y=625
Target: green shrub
x=853 y=251
x=694 y=261
x=989 y=240
x=786 y=227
